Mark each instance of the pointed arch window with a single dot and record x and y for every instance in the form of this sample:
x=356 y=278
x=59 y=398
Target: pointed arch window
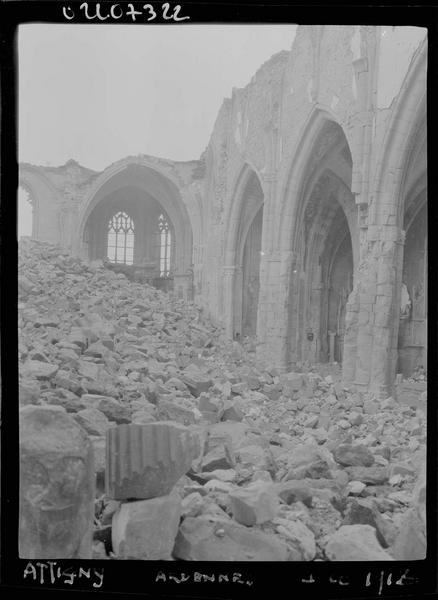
x=121 y=239
x=165 y=243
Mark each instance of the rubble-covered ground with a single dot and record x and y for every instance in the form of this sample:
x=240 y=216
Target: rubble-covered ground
x=290 y=466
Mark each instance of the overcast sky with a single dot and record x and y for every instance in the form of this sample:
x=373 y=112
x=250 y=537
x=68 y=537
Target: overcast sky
x=99 y=93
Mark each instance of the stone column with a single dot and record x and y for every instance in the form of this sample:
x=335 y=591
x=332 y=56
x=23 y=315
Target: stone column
x=273 y=311
x=275 y=268
x=378 y=294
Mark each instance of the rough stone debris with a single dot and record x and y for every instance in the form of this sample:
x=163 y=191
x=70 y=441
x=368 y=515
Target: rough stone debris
x=144 y=343
x=56 y=485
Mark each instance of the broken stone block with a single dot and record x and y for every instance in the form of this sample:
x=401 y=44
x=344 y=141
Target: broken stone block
x=196 y=382
x=78 y=337
x=145 y=461
x=262 y=475
x=56 y=485
x=146 y=529
x=364 y=512
x=192 y=504
x=348 y=455
x=410 y=543
x=254 y=504
x=39 y=369
x=355 y=488
x=355 y=418
x=217 y=485
x=239 y=388
x=110 y=407
x=220 y=457
x=294 y=491
x=292 y=382
x=93 y=421
x=371 y=475
x=299 y=538
x=213 y=538
x=257 y=457
x=355 y=543
x=142 y=417
x=401 y=469
x=232 y=432
x=170 y=411
x=28 y=394
x=231 y=412
x=371 y=407
x=221 y=474
x=89 y=370
x=316 y=469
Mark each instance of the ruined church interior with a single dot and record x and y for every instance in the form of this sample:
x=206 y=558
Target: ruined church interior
x=268 y=298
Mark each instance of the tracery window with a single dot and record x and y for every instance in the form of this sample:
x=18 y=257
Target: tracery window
x=165 y=243
x=121 y=239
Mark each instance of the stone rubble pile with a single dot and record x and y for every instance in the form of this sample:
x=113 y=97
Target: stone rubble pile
x=202 y=453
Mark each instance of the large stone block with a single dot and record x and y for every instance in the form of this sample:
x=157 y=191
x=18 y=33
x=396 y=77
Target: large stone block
x=410 y=543
x=355 y=543
x=145 y=461
x=146 y=530
x=93 y=421
x=213 y=538
x=364 y=512
x=110 y=407
x=39 y=369
x=350 y=455
x=56 y=485
x=254 y=504
x=196 y=382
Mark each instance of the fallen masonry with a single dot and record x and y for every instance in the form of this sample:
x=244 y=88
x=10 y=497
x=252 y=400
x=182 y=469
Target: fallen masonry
x=145 y=434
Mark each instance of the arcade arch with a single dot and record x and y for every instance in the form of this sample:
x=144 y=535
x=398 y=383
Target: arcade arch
x=325 y=251
x=412 y=334
x=140 y=210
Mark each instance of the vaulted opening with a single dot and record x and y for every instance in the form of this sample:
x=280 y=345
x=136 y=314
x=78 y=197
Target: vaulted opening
x=248 y=253
x=321 y=277
x=137 y=223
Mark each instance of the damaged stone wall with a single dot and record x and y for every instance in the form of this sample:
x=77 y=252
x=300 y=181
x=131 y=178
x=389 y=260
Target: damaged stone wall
x=276 y=131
